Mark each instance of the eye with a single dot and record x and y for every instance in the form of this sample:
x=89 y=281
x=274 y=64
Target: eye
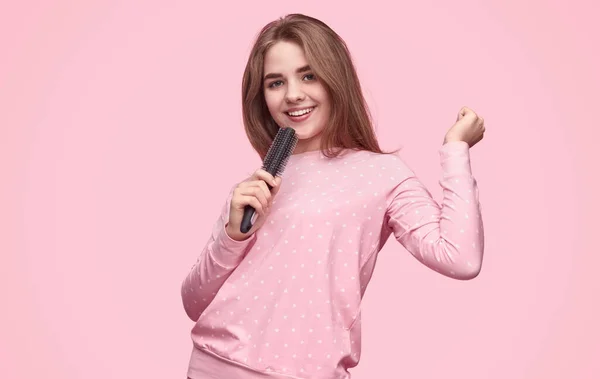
x=310 y=76
x=275 y=84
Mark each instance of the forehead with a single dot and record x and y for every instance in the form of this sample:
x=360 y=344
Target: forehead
x=284 y=56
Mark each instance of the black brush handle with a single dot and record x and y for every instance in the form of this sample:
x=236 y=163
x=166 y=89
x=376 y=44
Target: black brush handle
x=274 y=163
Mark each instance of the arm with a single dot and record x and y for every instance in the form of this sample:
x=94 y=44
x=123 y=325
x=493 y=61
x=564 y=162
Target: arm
x=217 y=260
x=447 y=238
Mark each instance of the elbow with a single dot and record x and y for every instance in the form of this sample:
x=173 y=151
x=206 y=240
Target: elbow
x=191 y=311
x=456 y=265
x=189 y=304
x=470 y=275
x=468 y=271
x=194 y=316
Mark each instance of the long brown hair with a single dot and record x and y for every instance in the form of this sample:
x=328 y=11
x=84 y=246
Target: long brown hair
x=328 y=56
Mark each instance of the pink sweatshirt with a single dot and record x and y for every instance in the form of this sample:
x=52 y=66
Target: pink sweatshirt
x=286 y=302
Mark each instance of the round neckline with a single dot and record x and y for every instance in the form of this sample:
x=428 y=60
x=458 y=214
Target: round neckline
x=319 y=152
x=304 y=153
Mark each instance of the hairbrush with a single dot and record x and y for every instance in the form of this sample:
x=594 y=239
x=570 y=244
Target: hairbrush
x=274 y=163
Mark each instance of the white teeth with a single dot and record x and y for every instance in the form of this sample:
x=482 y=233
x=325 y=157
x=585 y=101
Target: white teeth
x=300 y=113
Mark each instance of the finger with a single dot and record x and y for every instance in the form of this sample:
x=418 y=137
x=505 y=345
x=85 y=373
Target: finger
x=464 y=111
x=264 y=175
x=472 y=117
x=254 y=203
x=263 y=187
x=251 y=182
x=277 y=186
x=265 y=190
x=251 y=187
x=258 y=193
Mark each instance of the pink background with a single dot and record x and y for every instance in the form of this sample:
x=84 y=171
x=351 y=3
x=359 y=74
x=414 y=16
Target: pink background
x=119 y=121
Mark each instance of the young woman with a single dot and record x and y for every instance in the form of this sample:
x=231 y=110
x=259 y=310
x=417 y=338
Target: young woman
x=283 y=300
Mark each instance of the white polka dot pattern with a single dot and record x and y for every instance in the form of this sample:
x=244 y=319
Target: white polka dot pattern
x=287 y=300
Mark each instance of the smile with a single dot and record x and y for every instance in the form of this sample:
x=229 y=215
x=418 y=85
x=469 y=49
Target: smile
x=300 y=112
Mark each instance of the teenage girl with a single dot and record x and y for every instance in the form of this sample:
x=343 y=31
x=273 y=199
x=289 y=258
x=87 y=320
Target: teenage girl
x=283 y=300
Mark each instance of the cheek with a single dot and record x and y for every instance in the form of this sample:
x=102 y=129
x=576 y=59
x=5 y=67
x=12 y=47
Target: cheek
x=320 y=90
x=272 y=104
x=325 y=106
x=322 y=97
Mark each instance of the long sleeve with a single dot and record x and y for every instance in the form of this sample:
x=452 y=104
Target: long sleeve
x=448 y=238
x=217 y=260
x=292 y=308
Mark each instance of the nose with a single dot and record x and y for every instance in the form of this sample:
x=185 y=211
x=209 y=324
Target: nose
x=294 y=93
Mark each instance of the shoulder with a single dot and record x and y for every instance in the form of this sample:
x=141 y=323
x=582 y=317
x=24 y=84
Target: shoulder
x=388 y=162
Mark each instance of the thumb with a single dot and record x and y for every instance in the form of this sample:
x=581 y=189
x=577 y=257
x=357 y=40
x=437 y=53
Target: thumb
x=277 y=185
x=463 y=112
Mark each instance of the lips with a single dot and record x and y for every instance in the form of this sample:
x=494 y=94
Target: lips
x=299 y=114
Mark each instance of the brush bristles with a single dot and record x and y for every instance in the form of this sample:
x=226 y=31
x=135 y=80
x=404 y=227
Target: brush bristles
x=286 y=158
x=280 y=150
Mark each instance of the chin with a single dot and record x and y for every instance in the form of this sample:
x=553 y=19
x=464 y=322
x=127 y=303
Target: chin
x=303 y=134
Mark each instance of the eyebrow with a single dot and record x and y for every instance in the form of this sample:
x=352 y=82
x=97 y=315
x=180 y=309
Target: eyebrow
x=277 y=75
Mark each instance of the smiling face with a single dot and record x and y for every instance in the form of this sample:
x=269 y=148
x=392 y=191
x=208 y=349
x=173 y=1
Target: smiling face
x=294 y=95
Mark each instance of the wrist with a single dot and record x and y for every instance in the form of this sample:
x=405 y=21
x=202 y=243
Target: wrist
x=451 y=139
x=236 y=236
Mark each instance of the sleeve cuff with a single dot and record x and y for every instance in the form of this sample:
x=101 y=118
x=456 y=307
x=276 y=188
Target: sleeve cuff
x=229 y=252
x=455 y=158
